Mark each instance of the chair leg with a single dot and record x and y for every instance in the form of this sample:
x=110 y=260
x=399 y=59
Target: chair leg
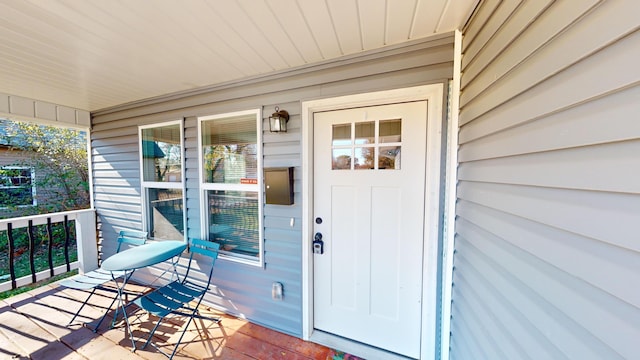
x=182 y=335
x=105 y=314
x=81 y=306
x=152 y=332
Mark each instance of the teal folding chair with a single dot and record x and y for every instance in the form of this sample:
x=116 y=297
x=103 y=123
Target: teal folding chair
x=96 y=279
x=177 y=296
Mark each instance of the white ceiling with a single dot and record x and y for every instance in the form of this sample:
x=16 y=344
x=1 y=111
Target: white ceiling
x=94 y=54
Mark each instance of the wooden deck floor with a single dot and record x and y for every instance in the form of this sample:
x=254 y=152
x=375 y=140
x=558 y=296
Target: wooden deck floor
x=33 y=326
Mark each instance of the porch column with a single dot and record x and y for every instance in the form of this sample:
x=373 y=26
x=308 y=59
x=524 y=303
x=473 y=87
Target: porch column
x=86 y=241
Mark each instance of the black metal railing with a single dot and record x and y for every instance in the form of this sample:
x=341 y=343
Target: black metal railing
x=43 y=246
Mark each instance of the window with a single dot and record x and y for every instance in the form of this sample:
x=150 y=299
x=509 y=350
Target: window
x=17 y=186
x=372 y=145
x=230 y=163
x=162 y=176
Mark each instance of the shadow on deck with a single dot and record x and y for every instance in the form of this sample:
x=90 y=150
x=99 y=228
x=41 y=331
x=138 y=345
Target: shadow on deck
x=33 y=326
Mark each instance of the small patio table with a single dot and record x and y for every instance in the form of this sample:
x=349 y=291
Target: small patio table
x=140 y=257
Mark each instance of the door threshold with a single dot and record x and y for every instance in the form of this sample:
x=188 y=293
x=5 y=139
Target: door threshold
x=353 y=347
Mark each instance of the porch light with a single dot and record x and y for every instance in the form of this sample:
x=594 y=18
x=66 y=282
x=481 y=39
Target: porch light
x=278 y=121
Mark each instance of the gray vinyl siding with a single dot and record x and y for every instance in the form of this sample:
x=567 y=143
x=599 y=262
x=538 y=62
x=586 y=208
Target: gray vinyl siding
x=243 y=289
x=547 y=259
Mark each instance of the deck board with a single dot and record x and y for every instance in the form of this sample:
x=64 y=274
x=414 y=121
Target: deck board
x=32 y=326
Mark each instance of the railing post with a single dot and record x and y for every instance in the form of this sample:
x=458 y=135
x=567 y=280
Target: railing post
x=32 y=249
x=12 y=249
x=86 y=240
x=67 y=237
x=50 y=246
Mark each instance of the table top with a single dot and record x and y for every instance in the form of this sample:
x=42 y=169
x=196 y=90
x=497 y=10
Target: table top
x=144 y=255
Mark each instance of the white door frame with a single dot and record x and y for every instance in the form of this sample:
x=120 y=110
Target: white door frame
x=434 y=95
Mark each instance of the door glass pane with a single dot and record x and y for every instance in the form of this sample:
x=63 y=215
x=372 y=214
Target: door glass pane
x=341 y=135
x=162 y=154
x=389 y=158
x=233 y=221
x=364 y=158
x=365 y=133
x=166 y=213
x=361 y=153
x=229 y=149
x=341 y=159
x=390 y=131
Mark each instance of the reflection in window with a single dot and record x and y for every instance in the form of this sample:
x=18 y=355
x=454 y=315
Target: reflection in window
x=17 y=186
x=162 y=154
x=374 y=145
x=365 y=133
x=166 y=212
x=162 y=183
x=341 y=134
x=364 y=158
x=230 y=159
x=389 y=157
x=230 y=149
x=341 y=159
x=390 y=131
x=233 y=221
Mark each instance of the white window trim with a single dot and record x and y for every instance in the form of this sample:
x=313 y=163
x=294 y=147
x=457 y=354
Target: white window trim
x=257 y=187
x=34 y=201
x=451 y=177
x=144 y=185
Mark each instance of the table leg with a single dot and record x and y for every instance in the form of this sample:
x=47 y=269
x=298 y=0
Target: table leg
x=174 y=272
x=174 y=264
x=121 y=305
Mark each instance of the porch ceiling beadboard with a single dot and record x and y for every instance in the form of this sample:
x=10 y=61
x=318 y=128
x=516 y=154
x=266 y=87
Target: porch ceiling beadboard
x=547 y=255
x=95 y=54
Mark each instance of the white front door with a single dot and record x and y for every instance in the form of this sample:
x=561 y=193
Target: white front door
x=369 y=209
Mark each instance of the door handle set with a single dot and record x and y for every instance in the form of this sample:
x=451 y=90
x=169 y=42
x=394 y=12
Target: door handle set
x=318 y=244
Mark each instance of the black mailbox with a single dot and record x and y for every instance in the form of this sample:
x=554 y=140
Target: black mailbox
x=278 y=186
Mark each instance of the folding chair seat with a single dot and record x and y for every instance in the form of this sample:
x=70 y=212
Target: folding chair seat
x=96 y=279
x=177 y=296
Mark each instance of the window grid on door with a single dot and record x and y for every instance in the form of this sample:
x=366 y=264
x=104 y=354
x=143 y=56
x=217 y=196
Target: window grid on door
x=367 y=145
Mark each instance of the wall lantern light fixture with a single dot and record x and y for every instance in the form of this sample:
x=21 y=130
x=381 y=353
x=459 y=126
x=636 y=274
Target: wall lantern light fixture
x=278 y=121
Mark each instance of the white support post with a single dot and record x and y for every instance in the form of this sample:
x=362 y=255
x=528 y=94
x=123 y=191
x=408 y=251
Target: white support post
x=86 y=240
